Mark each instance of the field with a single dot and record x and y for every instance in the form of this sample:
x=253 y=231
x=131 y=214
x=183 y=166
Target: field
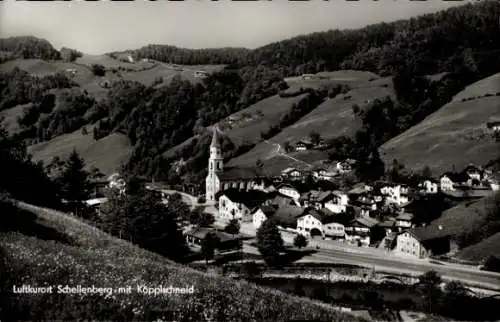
x=333 y=118
x=482 y=250
x=106 y=154
x=249 y=124
x=454 y=135
x=75 y=253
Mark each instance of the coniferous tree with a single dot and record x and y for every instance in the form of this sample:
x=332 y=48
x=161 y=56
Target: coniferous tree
x=233 y=227
x=269 y=242
x=74 y=180
x=208 y=246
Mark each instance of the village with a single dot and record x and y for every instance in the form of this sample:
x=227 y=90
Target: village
x=376 y=216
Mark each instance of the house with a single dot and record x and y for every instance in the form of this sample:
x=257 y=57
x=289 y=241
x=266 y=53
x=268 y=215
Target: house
x=262 y=213
x=226 y=242
x=320 y=223
x=445 y=183
x=359 y=231
x=422 y=242
x=281 y=201
x=325 y=173
x=335 y=201
x=116 y=182
x=289 y=191
x=200 y=74
x=404 y=221
x=309 y=198
x=236 y=204
x=360 y=188
x=130 y=59
x=428 y=187
x=474 y=172
x=303 y=145
x=307 y=76
x=344 y=166
x=292 y=173
x=366 y=202
x=96 y=202
x=389 y=225
x=395 y=194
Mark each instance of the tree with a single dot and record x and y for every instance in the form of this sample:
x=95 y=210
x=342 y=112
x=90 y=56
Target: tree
x=427 y=172
x=300 y=241
x=84 y=131
x=208 y=246
x=233 y=227
x=74 y=181
x=287 y=146
x=315 y=137
x=98 y=70
x=269 y=242
x=259 y=164
x=430 y=288
x=200 y=218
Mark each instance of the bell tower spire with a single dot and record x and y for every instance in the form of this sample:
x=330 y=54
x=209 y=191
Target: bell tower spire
x=215 y=166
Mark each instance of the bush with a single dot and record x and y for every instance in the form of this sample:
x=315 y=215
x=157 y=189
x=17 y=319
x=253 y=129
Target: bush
x=98 y=70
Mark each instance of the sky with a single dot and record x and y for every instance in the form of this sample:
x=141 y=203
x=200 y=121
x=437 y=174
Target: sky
x=104 y=26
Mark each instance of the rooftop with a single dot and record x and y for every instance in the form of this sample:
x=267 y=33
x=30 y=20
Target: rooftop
x=251 y=198
x=235 y=173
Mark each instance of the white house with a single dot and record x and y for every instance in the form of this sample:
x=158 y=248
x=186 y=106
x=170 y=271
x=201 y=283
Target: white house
x=229 y=209
x=289 y=191
x=130 y=59
x=408 y=244
x=334 y=230
x=325 y=173
x=343 y=167
x=236 y=204
x=261 y=214
x=200 y=74
x=116 y=182
x=310 y=224
x=446 y=184
x=494 y=185
x=338 y=203
x=395 y=194
x=291 y=173
x=428 y=187
x=303 y=145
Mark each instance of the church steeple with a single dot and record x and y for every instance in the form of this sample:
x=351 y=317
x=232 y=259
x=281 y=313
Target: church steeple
x=215 y=138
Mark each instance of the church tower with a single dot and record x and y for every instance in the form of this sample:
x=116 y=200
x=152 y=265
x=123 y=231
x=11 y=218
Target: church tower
x=215 y=166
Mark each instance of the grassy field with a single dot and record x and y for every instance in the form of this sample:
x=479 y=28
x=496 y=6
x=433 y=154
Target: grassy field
x=484 y=249
x=454 y=135
x=87 y=256
x=249 y=124
x=107 y=154
x=331 y=119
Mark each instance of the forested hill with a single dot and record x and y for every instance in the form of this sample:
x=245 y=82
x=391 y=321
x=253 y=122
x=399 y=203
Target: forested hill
x=428 y=44
x=157 y=113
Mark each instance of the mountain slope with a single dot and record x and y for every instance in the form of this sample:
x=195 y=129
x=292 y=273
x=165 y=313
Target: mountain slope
x=455 y=135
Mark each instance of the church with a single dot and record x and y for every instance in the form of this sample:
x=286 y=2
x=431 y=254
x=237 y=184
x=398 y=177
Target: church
x=222 y=178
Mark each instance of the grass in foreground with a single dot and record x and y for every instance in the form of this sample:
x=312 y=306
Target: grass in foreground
x=104 y=261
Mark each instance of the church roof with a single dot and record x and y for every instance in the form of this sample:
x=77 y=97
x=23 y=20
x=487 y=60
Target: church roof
x=236 y=173
x=215 y=138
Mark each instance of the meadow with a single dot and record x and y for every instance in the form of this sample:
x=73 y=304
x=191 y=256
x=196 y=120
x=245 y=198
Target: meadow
x=95 y=258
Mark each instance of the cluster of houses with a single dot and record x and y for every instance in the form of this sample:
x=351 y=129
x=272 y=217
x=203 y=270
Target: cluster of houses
x=354 y=215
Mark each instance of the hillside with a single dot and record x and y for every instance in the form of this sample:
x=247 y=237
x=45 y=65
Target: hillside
x=482 y=250
x=332 y=118
x=59 y=249
x=107 y=154
x=455 y=135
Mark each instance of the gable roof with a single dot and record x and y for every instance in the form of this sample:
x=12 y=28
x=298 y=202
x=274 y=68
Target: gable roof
x=287 y=216
x=405 y=216
x=250 y=199
x=236 y=173
x=428 y=233
x=280 y=201
x=324 y=196
x=268 y=210
x=366 y=221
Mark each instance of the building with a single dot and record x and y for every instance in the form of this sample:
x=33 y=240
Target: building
x=303 y=145
x=221 y=178
x=494 y=125
x=336 y=202
x=320 y=223
x=225 y=242
x=426 y=241
x=289 y=191
x=395 y=194
x=286 y=217
x=200 y=74
x=474 y=172
x=236 y=204
x=428 y=187
x=292 y=174
x=404 y=221
x=360 y=230
x=325 y=173
x=261 y=214
x=445 y=183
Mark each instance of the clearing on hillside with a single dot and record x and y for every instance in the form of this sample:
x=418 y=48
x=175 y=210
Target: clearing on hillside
x=107 y=154
x=455 y=135
x=10 y=117
x=332 y=118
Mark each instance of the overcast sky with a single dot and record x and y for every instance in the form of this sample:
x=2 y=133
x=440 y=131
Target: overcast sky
x=104 y=26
